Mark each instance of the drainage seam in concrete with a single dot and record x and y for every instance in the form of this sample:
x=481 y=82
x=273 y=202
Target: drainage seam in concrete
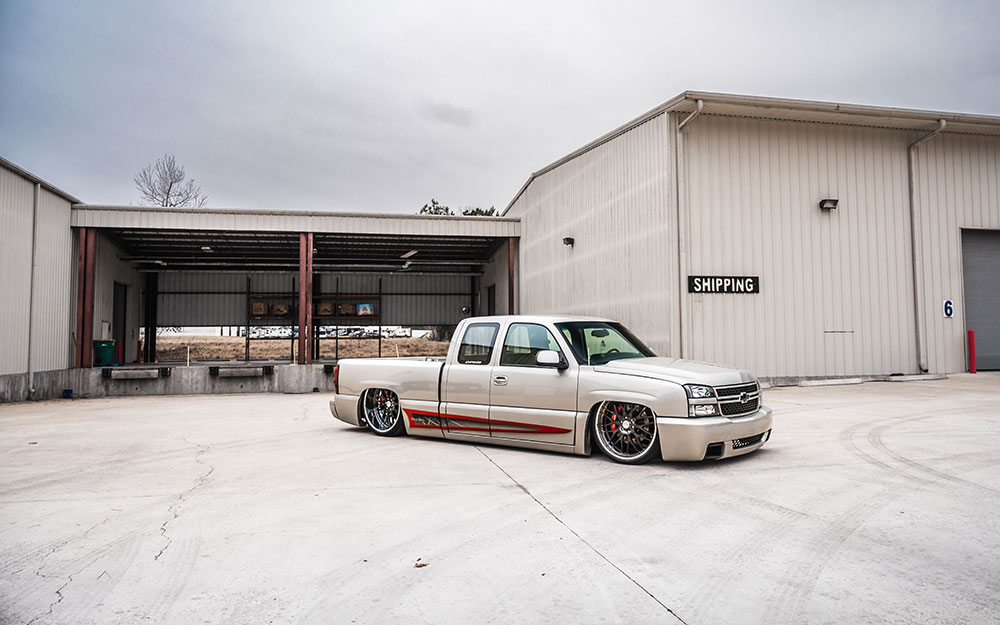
x=581 y=538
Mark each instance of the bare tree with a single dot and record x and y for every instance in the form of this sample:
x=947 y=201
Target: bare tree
x=162 y=184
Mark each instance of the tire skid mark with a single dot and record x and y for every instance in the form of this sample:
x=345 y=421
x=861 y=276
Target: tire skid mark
x=10 y=561
x=741 y=567
x=875 y=437
x=174 y=509
x=35 y=482
x=805 y=574
x=87 y=559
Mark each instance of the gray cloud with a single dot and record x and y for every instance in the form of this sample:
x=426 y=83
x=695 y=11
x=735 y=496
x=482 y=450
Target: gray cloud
x=380 y=106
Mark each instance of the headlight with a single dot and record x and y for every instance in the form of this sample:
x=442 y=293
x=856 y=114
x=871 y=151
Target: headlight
x=695 y=391
x=702 y=410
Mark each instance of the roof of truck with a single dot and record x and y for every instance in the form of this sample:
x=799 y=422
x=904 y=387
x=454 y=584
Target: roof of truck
x=538 y=318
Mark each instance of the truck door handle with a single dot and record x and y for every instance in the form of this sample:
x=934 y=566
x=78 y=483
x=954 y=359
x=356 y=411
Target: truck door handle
x=500 y=380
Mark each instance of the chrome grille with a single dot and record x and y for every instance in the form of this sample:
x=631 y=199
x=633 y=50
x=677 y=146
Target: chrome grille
x=733 y=408
x=729 y=391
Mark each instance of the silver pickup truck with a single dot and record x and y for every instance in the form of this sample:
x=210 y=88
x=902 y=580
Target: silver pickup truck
x=557 y=383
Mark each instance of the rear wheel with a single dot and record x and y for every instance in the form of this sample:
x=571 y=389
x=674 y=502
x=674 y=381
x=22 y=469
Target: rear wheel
x=382 y=412
x=626 y=432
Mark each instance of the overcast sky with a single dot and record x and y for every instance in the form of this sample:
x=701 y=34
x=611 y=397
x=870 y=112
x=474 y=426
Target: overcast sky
x=380 y=106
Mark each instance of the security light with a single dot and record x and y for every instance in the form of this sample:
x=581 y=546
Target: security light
x=569 y=241
x=828 y=204
x=206 y=248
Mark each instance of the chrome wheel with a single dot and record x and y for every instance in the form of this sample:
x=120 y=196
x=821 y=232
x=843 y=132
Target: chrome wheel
x=382 y=411
x=626 y=432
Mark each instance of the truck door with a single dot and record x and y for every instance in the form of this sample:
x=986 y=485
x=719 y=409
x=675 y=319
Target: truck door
x=528 y=401
x=465 y=394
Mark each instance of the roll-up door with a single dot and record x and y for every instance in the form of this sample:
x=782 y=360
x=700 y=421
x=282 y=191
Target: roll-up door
x=981 y=265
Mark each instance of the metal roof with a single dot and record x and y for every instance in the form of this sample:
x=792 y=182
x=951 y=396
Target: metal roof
x=24 y=173
x=782 y=109
x=192 y=239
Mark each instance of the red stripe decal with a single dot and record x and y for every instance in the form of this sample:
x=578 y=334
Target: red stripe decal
x=514 y=427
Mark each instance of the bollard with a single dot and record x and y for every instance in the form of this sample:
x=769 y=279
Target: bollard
x=972 y=351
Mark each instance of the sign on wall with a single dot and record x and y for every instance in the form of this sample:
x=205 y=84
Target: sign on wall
x=723 y=284
x=949 y=309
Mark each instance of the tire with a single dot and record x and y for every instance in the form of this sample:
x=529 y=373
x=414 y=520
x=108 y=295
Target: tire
x=382 y=413
x=626 y=432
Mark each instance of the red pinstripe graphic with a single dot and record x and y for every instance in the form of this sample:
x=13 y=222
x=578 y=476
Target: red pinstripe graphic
x=514 y=427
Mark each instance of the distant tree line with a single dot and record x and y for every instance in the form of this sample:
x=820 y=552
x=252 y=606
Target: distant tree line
x=434 y=208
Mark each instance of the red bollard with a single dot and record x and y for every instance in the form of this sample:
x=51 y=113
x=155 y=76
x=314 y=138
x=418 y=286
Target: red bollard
x=972 y=351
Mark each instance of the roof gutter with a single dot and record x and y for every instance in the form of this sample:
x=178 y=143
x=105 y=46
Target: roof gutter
x=916 y=258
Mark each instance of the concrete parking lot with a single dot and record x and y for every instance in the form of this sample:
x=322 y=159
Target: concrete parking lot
x=874 y=503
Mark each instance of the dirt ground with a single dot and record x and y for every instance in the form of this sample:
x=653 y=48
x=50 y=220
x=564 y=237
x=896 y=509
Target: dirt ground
x=233 y=348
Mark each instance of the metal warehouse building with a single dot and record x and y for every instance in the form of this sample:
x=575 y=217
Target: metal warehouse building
x=796 y=239
x=842 y=231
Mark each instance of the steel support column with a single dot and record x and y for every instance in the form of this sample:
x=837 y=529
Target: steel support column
x=305 y=297
x=510 y=276
x=81 y=272
x=89 y=244
x=149 y=316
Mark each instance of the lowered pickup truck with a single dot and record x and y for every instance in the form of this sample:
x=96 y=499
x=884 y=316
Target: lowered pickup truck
x=558 y=384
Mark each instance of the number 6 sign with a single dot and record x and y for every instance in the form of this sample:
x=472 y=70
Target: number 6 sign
x=949 y=309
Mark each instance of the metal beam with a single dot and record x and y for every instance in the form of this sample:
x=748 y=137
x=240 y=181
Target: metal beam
x=510 y=276
x=88 y=299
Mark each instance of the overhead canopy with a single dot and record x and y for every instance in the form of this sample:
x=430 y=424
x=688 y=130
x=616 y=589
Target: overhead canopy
x=188 y=239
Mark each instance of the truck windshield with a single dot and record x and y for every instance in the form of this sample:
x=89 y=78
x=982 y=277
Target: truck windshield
x=599 y=342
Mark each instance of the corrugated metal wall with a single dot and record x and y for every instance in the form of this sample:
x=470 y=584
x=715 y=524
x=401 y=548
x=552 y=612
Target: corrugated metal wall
x=616 y=202
x=51 y=329
x=54 y=294
x=958 y=186
x=205 y=299
x=16 y=201
x=836 y=286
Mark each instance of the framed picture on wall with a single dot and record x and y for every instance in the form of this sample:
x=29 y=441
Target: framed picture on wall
x=366 y=310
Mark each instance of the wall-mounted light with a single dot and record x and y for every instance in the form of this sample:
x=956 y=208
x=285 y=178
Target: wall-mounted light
x=409 y=254
x=206 y=248
x=828 y=205
x=569 y=241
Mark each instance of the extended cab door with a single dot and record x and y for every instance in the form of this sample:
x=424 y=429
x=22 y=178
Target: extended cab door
x=466 y=385
x=531 y=402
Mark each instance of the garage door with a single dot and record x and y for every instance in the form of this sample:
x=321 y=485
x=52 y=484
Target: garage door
x=981 y=263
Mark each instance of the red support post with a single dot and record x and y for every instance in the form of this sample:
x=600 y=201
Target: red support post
x=81 y=280
x=307 y=330
x=301 y=359
x=972 y=351
x=510 y=276
x=88 y=300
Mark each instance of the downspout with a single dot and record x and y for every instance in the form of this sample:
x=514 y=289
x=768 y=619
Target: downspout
x=681 y=223
x=915 y=256
x=31 y=288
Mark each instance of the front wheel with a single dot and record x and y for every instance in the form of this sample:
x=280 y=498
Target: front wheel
x=626 y=432
x=382 y=412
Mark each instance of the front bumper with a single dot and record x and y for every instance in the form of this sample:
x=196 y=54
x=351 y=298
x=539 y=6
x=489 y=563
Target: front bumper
x=689 y=438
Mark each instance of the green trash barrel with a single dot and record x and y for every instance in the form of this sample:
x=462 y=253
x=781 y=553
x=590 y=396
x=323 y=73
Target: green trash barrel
x=104 y=352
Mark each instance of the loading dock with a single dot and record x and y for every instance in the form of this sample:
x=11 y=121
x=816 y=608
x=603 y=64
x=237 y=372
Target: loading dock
x=244 y=268
x=981 y=273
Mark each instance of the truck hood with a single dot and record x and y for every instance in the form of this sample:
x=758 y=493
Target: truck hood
x=678 y=370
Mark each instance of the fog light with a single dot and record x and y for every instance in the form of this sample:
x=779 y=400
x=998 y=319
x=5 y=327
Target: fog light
x=703 y=410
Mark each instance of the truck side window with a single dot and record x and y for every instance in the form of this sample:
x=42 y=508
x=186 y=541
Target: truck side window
x=523 y=341
x=477 y=344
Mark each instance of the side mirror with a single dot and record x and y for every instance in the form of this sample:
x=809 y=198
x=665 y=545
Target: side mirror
x=550 y=358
